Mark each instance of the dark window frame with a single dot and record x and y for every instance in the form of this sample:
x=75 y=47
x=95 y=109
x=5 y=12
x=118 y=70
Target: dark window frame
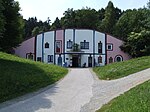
x=84 y=45
x=50 y=58
x=69 y=44
x=110 y=60
x=100 y=47
x=109 y=44
x=46 y=45
x=58 y=51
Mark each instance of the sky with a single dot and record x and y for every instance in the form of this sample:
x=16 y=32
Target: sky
x=43 y=9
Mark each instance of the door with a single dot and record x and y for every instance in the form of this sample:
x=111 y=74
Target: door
x=75 y=61
x=89 y=61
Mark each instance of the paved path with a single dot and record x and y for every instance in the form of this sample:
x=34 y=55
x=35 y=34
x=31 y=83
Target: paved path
x=78 y=92
x=104 y=91
x=69 y=95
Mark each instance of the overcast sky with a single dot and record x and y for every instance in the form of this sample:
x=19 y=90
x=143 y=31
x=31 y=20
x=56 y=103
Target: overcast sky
x=43 y=9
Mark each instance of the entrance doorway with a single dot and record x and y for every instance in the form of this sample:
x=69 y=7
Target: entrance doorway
x=90 y=61
x=75 y=61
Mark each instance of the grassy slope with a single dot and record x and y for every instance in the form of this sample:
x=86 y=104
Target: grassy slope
x=135 y=100
x=121 y=69
x=20 y=76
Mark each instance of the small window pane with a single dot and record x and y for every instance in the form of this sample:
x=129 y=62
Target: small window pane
x=50 y=58
x=69 y=44
x=109 y=46
x=39 y=59
x=46 y=45
x=58 y=47
x=110 y=60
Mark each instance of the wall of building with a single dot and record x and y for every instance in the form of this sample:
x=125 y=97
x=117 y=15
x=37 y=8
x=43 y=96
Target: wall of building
x=48 y=37
x=25 y=47
x=76 y=36
x=116 y=50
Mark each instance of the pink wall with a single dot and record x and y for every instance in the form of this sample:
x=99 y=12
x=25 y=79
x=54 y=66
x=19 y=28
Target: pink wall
x=60 y=36
x=116 y=49
x=25 y=47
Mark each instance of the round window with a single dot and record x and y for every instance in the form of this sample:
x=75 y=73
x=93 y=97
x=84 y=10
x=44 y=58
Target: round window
x=118 y=58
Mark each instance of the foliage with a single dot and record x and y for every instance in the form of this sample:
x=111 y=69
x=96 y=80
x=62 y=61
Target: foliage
x=121 y=69
x=2 y=21
x=35 y=31
x=12 y=25
x=56 y=24
x=109 y=20
x=132 y=21
x=30 y=77
x=135 y=100
x=138 y=44
x=33 y=26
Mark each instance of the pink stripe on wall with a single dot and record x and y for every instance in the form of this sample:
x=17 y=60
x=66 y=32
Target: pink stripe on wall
x=25 y=47
x=116 y=49
x=59 y=36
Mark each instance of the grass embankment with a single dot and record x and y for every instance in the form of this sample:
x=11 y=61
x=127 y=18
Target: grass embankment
x=20 y=76
x=135 y=100
x=121 y=69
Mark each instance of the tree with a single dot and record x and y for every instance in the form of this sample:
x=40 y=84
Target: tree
x=137 y=44
x=109 y=20
x=12 y=35
x=35 y=31
x=56 y=24
x=132 y=21
x=2 y=21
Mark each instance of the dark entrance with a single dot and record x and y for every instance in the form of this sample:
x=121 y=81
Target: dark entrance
x=75 y=61
x=90 y=61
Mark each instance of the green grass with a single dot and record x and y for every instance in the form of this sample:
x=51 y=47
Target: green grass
x=121 y=69
x=135 y=100
x=20 y=76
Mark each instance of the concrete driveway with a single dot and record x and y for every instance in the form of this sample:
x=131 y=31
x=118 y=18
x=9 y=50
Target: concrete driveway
x=79 y=91
x=69 y=95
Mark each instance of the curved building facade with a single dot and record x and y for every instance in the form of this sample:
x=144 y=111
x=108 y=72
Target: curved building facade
x=73 y=48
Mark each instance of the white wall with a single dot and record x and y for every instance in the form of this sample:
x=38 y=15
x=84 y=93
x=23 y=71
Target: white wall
x=68 y=36
x=48 y=37
x=81 y=35
x=99 y=37
x=39 y=46
x=103 y=59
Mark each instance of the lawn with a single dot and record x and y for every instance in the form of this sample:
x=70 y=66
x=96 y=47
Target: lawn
x=121 y=69
x=20 y=76
x=135 y=100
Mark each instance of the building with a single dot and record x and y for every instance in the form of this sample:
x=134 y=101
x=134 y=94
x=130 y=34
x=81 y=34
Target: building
x=73 y=48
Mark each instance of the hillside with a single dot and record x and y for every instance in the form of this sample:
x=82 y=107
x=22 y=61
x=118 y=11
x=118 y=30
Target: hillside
x=121 y=69
x=19 y=76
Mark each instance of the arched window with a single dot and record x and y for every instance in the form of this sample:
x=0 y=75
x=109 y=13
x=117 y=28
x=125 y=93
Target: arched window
x=110 y=60
x=100 y=47
x=46 y=45
x=30 y=56
x=60 y=60
x=99 y=59
x=118 y=58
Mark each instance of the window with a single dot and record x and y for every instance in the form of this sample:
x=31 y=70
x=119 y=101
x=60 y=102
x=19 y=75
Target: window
x=99 y=59
x=84 y=45
x=46 y=45
x=100 y=47
x=109 y=47
x=69 y=44
x=118 y=58
x=30 y=56
x=39 y=59
x=58 y=46
x=50 y=58
x=110 y=60
x=60 y=60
